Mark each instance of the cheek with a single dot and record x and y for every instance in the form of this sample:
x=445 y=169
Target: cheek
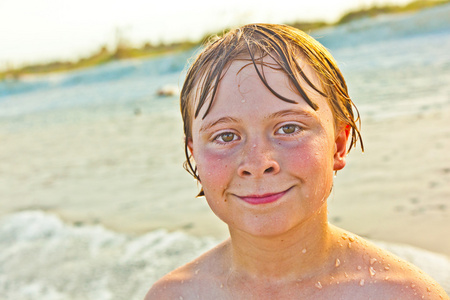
x=308 y=154
x=214 y=169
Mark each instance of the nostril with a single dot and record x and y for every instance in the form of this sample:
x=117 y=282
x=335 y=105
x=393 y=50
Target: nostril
x=268 y=170
x=246 y=173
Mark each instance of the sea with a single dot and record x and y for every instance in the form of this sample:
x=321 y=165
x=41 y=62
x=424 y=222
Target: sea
x=94 y=202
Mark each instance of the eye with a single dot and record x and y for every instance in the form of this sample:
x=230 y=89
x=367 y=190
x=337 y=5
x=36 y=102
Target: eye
x=226 y=137
x=288 y=129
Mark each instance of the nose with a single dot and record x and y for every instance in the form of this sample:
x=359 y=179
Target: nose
x=258 y=160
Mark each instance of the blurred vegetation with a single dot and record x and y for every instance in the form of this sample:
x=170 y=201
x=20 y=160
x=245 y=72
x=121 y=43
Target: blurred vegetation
x=124 y=51
x=388 y=9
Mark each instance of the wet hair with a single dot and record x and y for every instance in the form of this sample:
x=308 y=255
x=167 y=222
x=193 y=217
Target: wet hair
x=287 y=46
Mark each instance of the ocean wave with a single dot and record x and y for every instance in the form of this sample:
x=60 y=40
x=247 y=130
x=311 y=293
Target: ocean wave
x=44 y=258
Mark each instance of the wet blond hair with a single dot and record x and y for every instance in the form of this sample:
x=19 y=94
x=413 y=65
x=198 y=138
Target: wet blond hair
x=286 y=45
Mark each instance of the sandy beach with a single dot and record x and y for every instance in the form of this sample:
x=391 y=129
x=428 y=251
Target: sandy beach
x=100 y=171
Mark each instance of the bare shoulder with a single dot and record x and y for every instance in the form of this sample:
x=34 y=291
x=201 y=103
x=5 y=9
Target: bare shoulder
x=369 y=270
x=199 y=278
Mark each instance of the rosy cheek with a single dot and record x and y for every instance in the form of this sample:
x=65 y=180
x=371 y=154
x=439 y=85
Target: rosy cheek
x=305 y=155
x=213 y=168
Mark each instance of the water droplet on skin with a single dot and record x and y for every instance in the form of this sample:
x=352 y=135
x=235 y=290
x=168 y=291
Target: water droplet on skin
x=386 y=278
x=181 y=298
x=318 y=285
x=221 y=285
x=254 y=146
x=304 y=251
x=372 y=271
x=373 y=260
x=338 y=262
x=359 y=268
x=349 y=245
x=361 y=283
x=351 y=239
x=428 y=290
x=413 y=285
x=243 y=100
x=196 y=271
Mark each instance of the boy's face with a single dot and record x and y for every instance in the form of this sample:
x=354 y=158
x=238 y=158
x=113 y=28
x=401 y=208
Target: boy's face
x=266 y=165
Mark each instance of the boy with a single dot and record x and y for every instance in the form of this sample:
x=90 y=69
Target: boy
x=267 y=120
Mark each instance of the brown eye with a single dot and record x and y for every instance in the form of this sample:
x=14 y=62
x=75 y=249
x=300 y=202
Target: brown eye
x=288 y=129
x=227 y=137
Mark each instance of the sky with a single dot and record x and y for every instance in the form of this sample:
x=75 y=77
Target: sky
x=38 y=31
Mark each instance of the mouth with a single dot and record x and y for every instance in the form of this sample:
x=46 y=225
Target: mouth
x=263 y=199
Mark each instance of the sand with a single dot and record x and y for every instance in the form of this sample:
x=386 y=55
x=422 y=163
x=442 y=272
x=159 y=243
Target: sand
x=397 y=191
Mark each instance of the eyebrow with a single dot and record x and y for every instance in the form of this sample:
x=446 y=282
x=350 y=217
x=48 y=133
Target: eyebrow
x=281 y=113
x=292 y=112
x=219 y=121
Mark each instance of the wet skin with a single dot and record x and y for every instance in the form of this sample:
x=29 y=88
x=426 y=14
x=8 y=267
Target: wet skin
x=265 y=165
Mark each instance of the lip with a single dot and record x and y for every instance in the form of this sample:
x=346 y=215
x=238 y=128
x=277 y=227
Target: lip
x=263 y=199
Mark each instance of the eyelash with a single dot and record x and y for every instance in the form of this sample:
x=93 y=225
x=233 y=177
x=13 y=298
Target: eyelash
x=297 y=129
x=220 y=135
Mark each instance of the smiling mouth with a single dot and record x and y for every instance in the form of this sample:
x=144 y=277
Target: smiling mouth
x=263 y=199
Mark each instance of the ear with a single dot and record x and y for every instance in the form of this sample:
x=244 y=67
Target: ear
x=341 y=147
x=190 y=146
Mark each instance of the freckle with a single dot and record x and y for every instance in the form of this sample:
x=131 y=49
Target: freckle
x=361 y=283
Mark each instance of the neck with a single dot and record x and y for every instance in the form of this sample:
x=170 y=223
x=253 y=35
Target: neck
x=296 y=254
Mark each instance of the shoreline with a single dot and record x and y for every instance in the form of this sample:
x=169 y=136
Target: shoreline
x=397 y=191
x=122 y=51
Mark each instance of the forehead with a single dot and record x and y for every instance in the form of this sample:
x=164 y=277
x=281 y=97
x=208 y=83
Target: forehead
x=242 y=79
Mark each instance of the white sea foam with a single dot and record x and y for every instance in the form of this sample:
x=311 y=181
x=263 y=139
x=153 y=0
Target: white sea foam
x=43 y=258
